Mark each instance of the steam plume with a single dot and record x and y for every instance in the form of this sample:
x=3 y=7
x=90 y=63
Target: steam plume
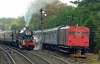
x=34 y=8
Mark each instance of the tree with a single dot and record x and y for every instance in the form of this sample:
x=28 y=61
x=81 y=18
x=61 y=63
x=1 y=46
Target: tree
x=51 y=9
x=35 y=22
x=90 y=23
x=14 y=25
x=17 y=24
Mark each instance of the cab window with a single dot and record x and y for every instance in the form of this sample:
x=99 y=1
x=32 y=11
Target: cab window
x=71 y=33
x=85 y=33
x=78 y=33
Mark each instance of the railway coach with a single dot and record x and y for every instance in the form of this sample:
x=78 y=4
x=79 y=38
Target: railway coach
x=69 y=39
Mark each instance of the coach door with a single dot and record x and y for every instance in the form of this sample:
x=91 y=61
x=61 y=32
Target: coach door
x=14 y=36
x=62 y=37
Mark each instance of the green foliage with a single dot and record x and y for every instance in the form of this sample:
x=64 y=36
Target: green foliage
x=61 y=18
x=14 y=25
x=6 y=20
x=1 y=23
x=5 y=23
x=11 y=23
x=35 y=22
x=51 y=22
x=90 y=22
x=21 y=22
x=17 y=24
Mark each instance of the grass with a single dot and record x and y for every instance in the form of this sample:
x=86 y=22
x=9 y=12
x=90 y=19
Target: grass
x=94 y=60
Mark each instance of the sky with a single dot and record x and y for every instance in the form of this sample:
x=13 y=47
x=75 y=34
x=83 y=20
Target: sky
x=16 y=8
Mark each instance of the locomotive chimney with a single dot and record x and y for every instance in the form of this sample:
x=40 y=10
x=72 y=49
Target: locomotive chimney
x=26 y=27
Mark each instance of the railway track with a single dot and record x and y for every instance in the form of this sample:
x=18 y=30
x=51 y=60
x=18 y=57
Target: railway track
x=78 y=59
x=39 y=57
x=16 y=57
x=6 y=58
x=34 y=59
x=51 y=58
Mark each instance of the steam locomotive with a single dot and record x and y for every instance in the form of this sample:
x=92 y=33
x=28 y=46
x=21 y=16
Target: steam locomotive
x=69 y=39
x=20 y=38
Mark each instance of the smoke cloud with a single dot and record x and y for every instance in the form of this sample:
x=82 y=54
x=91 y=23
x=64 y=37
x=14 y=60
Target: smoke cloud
x=37 y=39
x=34 y=8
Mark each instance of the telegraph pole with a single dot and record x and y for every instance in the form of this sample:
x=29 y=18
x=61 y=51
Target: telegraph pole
x=70 y=20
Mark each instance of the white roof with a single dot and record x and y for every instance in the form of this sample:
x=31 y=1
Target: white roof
x=37 y=31
x=52 y=29
x=65 y=27
x=46 y=30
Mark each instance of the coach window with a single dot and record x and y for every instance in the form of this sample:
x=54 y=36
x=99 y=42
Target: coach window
x=78 y=33
x=71 y=33
x=85 y=33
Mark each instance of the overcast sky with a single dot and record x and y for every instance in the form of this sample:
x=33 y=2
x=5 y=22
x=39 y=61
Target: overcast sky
x=15 y=8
